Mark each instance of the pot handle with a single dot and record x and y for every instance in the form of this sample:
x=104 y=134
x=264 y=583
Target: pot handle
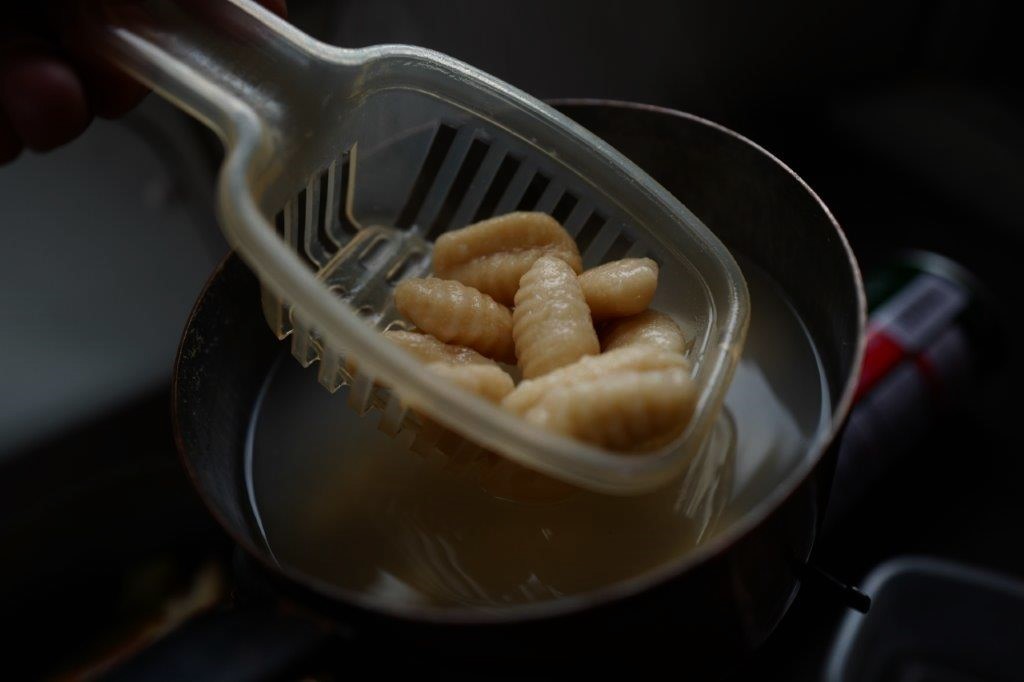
x=254 y=641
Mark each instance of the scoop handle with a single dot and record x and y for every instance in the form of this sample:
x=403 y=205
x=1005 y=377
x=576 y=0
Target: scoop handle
x=224 y=61
x=260 y=84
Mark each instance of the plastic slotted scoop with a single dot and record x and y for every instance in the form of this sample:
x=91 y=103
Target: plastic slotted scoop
x=342 y=166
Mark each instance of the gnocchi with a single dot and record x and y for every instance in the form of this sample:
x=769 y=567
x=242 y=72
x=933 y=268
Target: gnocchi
x=456 y=313
x=629 y=388
x=493 y=255
x=551 y=324
x=529 y=393
x=427 y=349
x=629 y=410
x=620 y=288
x=487 y=381
x=457 y=364
x=649 y=328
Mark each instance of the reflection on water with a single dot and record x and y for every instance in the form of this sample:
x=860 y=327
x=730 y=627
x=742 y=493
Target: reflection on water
x=342 y=502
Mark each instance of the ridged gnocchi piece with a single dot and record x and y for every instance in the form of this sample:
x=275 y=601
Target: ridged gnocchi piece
x=649 y=328
x=620 y=288
x=551 y=323
x=529 y=394
x=458 y=364
x=493 y=255
x=456 y=313
x=428 y=349
x=487 y=381
x=627 y=410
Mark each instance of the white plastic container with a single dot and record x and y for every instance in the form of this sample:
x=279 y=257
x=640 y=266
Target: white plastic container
x=341 y=167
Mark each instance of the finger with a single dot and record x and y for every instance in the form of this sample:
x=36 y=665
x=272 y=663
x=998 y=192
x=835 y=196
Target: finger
x=10 y=143
x=110 y=91
x=43 y=98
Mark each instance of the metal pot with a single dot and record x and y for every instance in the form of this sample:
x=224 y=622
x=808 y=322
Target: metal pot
x=719 y=601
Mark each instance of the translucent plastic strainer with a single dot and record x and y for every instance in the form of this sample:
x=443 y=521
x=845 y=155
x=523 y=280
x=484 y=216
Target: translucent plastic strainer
x=343 y=165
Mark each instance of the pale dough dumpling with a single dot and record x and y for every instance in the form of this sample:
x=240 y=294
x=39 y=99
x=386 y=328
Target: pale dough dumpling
x=620 y=288
x=428 y=349
x=529 y=393
x=459 y=365
x=487 y=381
x=456 y=313
x=649 y=328
x=628 y=410
x=551 y=322
x=493 y=255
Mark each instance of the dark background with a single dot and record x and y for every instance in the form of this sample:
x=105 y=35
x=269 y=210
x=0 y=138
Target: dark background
x=906 y=117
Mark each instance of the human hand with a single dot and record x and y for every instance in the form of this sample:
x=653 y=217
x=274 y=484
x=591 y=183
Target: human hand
x=52 y=82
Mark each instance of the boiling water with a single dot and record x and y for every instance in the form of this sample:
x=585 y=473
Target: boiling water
x=343 y=503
